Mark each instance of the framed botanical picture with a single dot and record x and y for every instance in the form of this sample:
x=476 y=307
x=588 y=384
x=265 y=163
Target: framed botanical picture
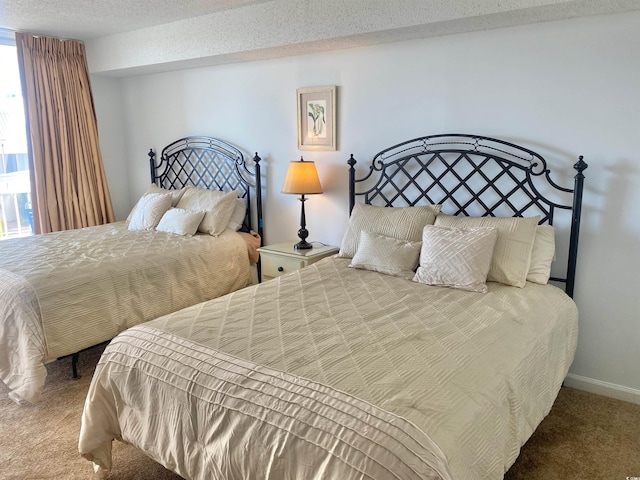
x=317 y=118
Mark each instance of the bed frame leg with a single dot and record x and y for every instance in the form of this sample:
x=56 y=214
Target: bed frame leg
x=74 y=365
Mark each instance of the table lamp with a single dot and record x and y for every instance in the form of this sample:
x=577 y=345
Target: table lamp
x=302 y=179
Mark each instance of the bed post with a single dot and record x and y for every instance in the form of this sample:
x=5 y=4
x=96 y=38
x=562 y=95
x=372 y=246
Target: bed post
x=256 y=160
x=576 y=211
x=74 y=365
x=352 y=181
x=152 y=165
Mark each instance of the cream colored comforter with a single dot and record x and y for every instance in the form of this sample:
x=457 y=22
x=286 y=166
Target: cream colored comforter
x=66 y=291
x=332 y=372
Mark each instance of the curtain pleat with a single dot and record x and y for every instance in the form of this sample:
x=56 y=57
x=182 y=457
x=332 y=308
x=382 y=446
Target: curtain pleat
x=68 y=182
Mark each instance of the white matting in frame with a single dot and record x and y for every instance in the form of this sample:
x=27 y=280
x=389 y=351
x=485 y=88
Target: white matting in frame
x=317 y=118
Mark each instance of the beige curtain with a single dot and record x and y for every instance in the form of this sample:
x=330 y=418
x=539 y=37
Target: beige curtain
x=68 y=183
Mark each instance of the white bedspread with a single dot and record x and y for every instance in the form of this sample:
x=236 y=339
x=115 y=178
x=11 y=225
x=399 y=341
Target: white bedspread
x=66 y=291
x=471 y=374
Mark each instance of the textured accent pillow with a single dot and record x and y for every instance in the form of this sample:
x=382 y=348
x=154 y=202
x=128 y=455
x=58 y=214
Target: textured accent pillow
x=512 y=254
x=237 y=217
x=153 y=188
x=456 y=257
x=542 y=254
x=182 y=222
x=404 y=223
x=149 y=210
x=388 y=255
x=217 y=205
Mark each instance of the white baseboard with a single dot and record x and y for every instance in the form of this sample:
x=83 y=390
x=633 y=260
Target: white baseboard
x=606 y=389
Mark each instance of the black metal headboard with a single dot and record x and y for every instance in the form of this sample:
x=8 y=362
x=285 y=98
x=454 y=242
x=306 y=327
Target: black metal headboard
x=471 y=175
x=213 y=164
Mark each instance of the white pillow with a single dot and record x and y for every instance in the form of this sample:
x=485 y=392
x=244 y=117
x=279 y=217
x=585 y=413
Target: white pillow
x=153 y=188
x=182 y=222
x=149 y=210
x=512 y=255
x=542 y=254
x=387 y=255
x=217 y=205
x=404 y=223
x=456 y=257
x=237 y=217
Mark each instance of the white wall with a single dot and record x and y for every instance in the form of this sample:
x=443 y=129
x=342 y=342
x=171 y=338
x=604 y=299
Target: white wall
x=107 y=98
x=564 y=89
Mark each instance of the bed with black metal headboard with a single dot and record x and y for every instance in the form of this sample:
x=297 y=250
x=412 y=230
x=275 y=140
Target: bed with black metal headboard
x=471 y=175
x=160 y=260
x=210 y=163
x=351 y=367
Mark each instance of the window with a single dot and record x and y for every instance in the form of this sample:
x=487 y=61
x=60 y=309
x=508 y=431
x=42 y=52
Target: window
x=15 y=200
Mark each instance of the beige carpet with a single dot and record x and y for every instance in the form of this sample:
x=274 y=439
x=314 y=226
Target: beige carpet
x=585 y=437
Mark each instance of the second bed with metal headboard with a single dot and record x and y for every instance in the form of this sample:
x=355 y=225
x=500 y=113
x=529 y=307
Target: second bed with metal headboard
x=342 y=370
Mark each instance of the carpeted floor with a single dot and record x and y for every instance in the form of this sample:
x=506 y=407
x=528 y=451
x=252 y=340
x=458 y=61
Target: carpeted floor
x=585 y=436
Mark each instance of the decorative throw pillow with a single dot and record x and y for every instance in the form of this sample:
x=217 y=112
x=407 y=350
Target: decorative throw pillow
x=237 y=217
x=404 y=223
x=149 y=211
x=456 y=257
x=542 y=254
x=217 y=205
x=153 y=188
x=386 y=255
x=512 y=254
x=182 y=222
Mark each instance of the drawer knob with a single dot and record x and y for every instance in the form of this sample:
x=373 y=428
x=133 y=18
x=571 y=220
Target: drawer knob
x=281 y=269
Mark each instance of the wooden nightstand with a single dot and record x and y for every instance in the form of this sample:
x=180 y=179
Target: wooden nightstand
x=282 y=258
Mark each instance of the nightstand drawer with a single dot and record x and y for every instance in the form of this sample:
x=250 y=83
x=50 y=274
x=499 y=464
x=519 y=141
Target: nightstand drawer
x=274 y=266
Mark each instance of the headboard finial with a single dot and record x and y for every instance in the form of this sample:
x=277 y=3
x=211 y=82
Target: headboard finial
x=352 y=180
x=580 y=165
x=152 y=164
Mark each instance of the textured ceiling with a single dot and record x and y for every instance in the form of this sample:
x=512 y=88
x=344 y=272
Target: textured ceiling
x=131 y=37
x=85 y=19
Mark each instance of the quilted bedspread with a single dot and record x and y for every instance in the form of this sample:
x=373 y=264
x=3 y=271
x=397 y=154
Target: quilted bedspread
x=70 y=290
x=331 y=372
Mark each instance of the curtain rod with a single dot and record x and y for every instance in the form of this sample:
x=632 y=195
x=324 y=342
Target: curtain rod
x=40 y=35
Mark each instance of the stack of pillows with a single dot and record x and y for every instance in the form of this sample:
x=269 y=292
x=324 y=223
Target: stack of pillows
x=420 y=244
x=187 y=211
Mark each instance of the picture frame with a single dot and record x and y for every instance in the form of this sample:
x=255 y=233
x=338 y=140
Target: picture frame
x=317 y=118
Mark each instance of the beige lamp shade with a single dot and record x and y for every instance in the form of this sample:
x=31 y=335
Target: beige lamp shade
x=302 y=178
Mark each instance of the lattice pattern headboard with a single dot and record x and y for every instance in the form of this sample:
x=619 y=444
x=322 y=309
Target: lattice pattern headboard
x=210 y=163
x=471 y=175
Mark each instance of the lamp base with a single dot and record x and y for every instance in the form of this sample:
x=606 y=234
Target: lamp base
x=303 y=245
x=303 y=233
